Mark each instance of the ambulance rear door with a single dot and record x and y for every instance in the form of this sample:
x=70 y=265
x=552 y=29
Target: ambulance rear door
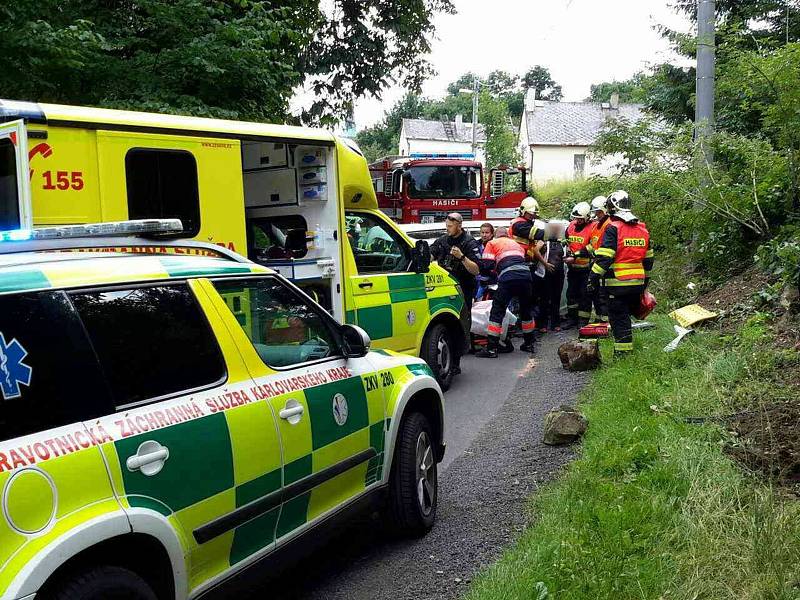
x=15 y=189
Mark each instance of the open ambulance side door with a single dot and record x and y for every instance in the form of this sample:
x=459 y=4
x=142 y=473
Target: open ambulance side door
x=15 y=188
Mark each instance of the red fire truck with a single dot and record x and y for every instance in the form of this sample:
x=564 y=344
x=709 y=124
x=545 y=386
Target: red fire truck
x=424 y=188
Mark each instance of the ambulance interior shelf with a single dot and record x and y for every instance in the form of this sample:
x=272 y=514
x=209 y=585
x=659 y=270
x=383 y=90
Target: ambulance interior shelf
x=291 y=226
x=280 y=174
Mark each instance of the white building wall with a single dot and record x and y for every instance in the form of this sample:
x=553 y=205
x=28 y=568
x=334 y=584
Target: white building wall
x=557 y=163
x=407 y=146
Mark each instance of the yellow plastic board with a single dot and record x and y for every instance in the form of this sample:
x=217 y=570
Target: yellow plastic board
x=691 y=315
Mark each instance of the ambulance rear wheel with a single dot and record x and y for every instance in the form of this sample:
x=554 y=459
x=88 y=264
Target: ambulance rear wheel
x=438 y=351
x=105 y=583
x=413 y=483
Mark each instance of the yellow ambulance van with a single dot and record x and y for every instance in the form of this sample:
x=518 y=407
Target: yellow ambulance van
x=297 y=200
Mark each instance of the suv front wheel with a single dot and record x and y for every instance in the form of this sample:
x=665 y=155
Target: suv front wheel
x=413 y=484
x=105 y=583
x=438 y=350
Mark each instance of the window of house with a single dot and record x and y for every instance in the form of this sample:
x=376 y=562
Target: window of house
x=151 y=341
x=377 y=248
x=580 y=165
x=49 y=376
x=162 y=184
x=9 y=194
x=284 y=327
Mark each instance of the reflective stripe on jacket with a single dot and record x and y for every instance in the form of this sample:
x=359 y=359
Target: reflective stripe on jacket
x=578 y=239
x=504 y=255
x=598 y=231
x=625 y=257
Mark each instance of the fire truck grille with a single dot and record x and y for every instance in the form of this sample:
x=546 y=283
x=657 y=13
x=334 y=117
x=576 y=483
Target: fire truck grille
x=436 y=216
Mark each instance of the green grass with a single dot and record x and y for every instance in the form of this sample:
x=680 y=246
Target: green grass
x=653 y=508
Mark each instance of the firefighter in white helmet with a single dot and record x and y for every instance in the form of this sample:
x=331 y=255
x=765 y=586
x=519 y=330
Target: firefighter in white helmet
x=579 y=303
x=622 y=266
x=599 y=224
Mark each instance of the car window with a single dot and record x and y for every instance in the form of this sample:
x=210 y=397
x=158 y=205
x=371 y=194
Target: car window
x=284 y=327
x=377 y=248
x=48 y=374
x=151 y=341
x=163 y=184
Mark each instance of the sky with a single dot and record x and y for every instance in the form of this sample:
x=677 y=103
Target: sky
x=581 y=41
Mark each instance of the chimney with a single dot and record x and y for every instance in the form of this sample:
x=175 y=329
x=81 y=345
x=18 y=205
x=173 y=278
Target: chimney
x=530 y=99
x=459 y=123
x=615 y=100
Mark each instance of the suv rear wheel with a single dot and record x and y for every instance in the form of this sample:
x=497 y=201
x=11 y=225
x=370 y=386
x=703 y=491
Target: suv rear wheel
x=438 y=350
x=413 y=484
x=105 y=583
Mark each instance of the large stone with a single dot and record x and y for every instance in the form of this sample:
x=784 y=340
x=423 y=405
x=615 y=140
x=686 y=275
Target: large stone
x=578 y=355
x=563 y=425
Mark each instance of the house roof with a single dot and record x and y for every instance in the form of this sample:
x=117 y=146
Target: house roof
x=422 y=129
x=573 y=123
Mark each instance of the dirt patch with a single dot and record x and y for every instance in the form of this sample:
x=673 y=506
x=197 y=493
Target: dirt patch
x=787 y=332
x=737 y=295
x=768 y=442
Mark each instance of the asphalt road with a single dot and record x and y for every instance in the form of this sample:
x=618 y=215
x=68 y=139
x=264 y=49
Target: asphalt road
x=495 y=461
x=475 y=397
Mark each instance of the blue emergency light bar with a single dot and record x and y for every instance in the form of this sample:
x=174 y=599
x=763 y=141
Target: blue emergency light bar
x=461 y=155
x=108 y=229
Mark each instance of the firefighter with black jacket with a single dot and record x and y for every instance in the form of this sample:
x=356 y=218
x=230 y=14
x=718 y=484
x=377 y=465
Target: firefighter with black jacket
x=579 y=302
x=524 y=230
x=622 y=265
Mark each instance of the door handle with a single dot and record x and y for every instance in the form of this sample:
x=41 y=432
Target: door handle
x=149 y=458
x=365 y=284
x=292 y=412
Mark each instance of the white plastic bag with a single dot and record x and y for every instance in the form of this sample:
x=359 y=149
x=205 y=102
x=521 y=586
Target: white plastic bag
x=480 y=319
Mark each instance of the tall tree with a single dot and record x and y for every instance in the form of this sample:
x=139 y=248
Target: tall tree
x=501 y=139
x=383 y=138
x=540 y=79
x=666 y=89
x=230 y=58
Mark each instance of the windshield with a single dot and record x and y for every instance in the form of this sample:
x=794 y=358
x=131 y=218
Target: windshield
x=443 y=182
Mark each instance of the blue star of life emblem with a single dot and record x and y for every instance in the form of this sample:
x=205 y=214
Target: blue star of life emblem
x=13 y=371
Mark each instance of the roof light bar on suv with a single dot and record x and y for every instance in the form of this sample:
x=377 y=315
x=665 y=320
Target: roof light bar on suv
x=110 y=229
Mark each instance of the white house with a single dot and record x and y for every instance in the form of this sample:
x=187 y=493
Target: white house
x=555 y=136
x=420 y=135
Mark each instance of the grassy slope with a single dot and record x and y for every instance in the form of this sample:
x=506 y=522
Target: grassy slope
x=654 y=508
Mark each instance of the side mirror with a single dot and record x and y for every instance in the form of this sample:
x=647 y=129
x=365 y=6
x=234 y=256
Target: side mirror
x=356 y=341
x=397 y=181
x=296 y=242
x=421 y=257
x=497 y=184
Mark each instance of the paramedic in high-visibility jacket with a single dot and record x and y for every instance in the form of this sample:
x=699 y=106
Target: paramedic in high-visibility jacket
x=622 y=264
x=504 y=256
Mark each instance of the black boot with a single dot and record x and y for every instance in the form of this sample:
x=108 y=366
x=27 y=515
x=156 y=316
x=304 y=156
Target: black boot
x=572 y=320
x=491 y=349
x=506 y=347
x=528 y=346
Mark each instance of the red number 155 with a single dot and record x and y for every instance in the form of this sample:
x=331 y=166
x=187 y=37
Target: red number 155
x=63 y=180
